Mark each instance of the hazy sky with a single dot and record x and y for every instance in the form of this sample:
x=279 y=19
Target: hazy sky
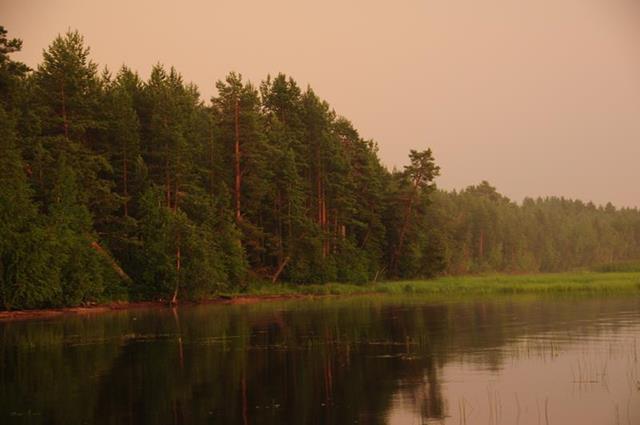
x=539 y=97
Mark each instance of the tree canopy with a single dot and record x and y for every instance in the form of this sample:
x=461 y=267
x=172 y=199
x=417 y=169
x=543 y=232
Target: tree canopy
x=113 y=186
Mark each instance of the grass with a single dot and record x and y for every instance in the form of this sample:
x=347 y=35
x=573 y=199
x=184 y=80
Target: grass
x=511 y=284
x=595 y=282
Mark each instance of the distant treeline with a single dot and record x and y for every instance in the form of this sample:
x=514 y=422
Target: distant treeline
x=114 y=187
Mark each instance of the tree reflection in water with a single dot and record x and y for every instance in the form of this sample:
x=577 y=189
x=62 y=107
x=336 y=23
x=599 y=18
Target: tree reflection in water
x=329 y=361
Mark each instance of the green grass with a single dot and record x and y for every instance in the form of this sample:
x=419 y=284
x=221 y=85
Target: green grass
x=269 y=289
x=511 y=284
x=593 y=282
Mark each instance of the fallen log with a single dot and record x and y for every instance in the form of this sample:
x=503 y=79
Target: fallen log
x=112 y=262
x=280 y=269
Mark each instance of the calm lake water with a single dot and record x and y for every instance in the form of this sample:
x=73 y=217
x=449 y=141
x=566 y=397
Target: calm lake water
x=360 y=360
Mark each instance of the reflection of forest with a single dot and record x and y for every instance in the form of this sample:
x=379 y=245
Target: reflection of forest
x=328 y=361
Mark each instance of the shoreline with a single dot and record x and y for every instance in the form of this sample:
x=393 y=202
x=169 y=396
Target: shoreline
x=47 y=313
x=448 y=286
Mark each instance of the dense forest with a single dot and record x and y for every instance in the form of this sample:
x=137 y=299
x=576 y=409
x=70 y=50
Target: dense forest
x=116 y=187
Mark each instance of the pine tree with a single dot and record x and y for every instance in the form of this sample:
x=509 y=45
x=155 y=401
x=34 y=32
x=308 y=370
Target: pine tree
x=26 y=280
x=285 y=216
x=418 y=182
x=11 y=72
x=66 y=98
x=237 y=113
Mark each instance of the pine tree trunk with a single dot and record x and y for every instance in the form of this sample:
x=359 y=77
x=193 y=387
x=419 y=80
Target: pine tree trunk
x=321 y=203
x=280 y=236
x=211 y=164
x=325 y=243
x=174 y=299
x=65 y=122
x=366 y=236
x=167 y=176
x=124 y=183
x=319 y=186
x=238 y=177
x=289 y=223
x=167 y=183
x=403 y=231
x=175 y=193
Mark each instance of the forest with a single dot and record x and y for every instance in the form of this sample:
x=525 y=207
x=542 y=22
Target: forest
x=116 y=187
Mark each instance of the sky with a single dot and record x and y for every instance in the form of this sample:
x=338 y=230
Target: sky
x=539 y=97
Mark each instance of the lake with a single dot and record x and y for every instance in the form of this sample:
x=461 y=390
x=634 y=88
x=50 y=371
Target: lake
x=354 y=360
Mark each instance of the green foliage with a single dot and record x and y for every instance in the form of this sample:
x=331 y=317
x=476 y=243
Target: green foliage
x=119 y=187
x=620 y=267
x=12 y=73
x=25 y=249
x=488 y=232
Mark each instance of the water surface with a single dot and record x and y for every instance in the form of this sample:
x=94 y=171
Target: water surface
x=365 y=360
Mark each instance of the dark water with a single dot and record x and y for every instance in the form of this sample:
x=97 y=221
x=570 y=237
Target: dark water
x=365 y=360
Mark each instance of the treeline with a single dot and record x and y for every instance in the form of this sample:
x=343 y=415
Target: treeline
x=112 y=186
x=479 y=230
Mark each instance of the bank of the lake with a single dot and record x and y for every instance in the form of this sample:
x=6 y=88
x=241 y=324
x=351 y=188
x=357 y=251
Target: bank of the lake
x=476 y=285
x=471 y=285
